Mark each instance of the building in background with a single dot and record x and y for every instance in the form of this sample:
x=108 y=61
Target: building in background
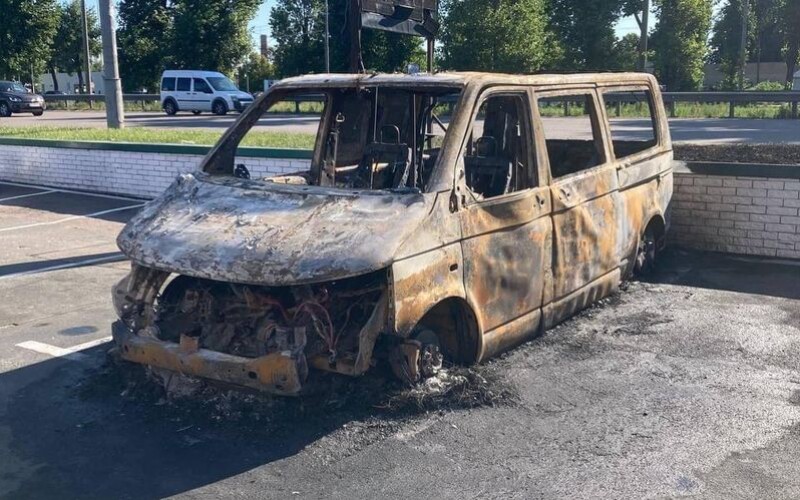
x=69 y=83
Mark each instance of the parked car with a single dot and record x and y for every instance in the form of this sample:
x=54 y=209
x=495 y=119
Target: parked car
x=198 y=91
x=15 y=98
x=410 y=239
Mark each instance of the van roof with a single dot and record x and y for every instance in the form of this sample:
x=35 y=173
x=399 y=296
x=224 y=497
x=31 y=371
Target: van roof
x=461 y=79
x=190 y=72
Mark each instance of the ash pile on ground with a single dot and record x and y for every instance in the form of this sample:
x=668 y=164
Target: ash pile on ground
x=376 y=400
x=785 y=154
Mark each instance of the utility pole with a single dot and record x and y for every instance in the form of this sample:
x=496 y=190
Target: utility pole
x=356 y=64
x=743 y=48
x=645 y=31
x=327 y=39
x=86 y=62
x=115 y=112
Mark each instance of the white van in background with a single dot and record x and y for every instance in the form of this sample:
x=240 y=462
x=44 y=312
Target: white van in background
x=198 y=91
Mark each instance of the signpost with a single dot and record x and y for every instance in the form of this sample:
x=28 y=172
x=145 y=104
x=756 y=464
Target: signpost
x=408 y=17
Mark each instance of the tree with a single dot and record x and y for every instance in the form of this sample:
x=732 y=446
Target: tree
x=726 y=41
x=67 y=54
x=680 y=42
x=586 y=31
x=497 y=35
x=26 y=36
x=789 y=15
x=254 y=71
x=145 y=29
x=626 y=53
x=298 y=28
x=212 y=35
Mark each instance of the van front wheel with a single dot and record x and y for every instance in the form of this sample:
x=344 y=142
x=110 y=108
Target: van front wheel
x=220 y=108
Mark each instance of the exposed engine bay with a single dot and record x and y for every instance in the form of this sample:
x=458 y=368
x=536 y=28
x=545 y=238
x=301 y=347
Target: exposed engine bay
x=331 y=326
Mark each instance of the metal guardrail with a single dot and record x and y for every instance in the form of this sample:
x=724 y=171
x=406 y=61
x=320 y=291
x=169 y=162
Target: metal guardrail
x=791 y=98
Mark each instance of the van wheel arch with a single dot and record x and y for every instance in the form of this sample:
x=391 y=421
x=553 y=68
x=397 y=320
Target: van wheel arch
x=649 y=245
x=456 y=326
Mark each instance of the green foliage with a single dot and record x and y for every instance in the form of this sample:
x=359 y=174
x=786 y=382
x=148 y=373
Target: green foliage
x=67 y=54
x=499 y=35
x=586 y=31
x=298 y=29
x=680 y=42
x=726 y=42
x=789 y=15
x=155 y=35
x=145 y=26
x=626 y=53
x=26 y=36
x=254 y=71
x=768 y=86
x=211 y=35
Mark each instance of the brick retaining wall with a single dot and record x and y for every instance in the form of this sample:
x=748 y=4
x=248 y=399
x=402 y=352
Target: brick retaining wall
x=128 y=169
x=741 y=209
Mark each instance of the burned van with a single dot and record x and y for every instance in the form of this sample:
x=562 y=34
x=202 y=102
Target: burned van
x=443 y=217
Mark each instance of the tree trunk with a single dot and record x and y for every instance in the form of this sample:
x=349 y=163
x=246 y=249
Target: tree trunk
x=791 y=62
x=55 y=80
x=80 y=82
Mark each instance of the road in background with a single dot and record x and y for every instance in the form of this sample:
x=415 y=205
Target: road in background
x=694 y=130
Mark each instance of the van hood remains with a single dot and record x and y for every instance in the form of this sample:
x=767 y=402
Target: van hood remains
x=260 y=233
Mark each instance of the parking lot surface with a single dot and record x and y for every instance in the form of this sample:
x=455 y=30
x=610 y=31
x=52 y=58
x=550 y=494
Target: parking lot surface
x=685 y=385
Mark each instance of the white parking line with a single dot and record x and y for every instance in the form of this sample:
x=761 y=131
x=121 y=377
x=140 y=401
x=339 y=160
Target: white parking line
x=74 y=217
x=71 y=353
x=10 y=198
x=71 y=191
x=78 y=263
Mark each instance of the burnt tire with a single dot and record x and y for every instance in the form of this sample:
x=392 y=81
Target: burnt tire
x=418 y=358
x=646 y=253
x=196 y=112
x=170 y=108
x=219 y=108
x=5 y=109
x=38 y=113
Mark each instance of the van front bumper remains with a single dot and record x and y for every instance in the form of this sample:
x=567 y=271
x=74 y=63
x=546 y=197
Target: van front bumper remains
x=277 y=373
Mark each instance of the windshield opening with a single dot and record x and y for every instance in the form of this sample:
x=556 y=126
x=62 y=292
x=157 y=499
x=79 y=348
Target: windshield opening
x=222 y=84
x=384 y=138
x=379 y=138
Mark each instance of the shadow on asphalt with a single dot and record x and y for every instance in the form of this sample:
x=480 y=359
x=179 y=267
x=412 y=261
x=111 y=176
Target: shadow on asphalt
x=76 y=204
x=731 y=273
x=107 y=434
x=55 y=264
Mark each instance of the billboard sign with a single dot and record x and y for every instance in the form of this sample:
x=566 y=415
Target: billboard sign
x=410 y=17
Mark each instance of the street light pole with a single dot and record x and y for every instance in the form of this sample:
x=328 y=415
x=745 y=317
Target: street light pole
x=86 y=63
x=115 y=112
x=327 y=39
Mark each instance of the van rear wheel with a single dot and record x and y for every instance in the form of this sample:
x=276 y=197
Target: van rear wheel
x=170 y=108
x=646 y=253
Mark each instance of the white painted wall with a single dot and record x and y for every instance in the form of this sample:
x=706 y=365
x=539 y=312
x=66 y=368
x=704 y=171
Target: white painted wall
x=120 y=172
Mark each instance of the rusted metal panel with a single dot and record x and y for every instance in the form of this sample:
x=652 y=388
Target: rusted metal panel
x=269 y=234
x=252 y=267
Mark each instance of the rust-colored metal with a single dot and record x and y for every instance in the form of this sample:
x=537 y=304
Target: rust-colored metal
x=362 y=267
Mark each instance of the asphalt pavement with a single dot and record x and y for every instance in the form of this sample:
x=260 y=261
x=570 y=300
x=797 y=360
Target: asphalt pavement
x=699 y=131
x=687 y=385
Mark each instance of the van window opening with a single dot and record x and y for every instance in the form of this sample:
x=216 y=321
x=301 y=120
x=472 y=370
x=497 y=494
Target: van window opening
x=374 y=138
